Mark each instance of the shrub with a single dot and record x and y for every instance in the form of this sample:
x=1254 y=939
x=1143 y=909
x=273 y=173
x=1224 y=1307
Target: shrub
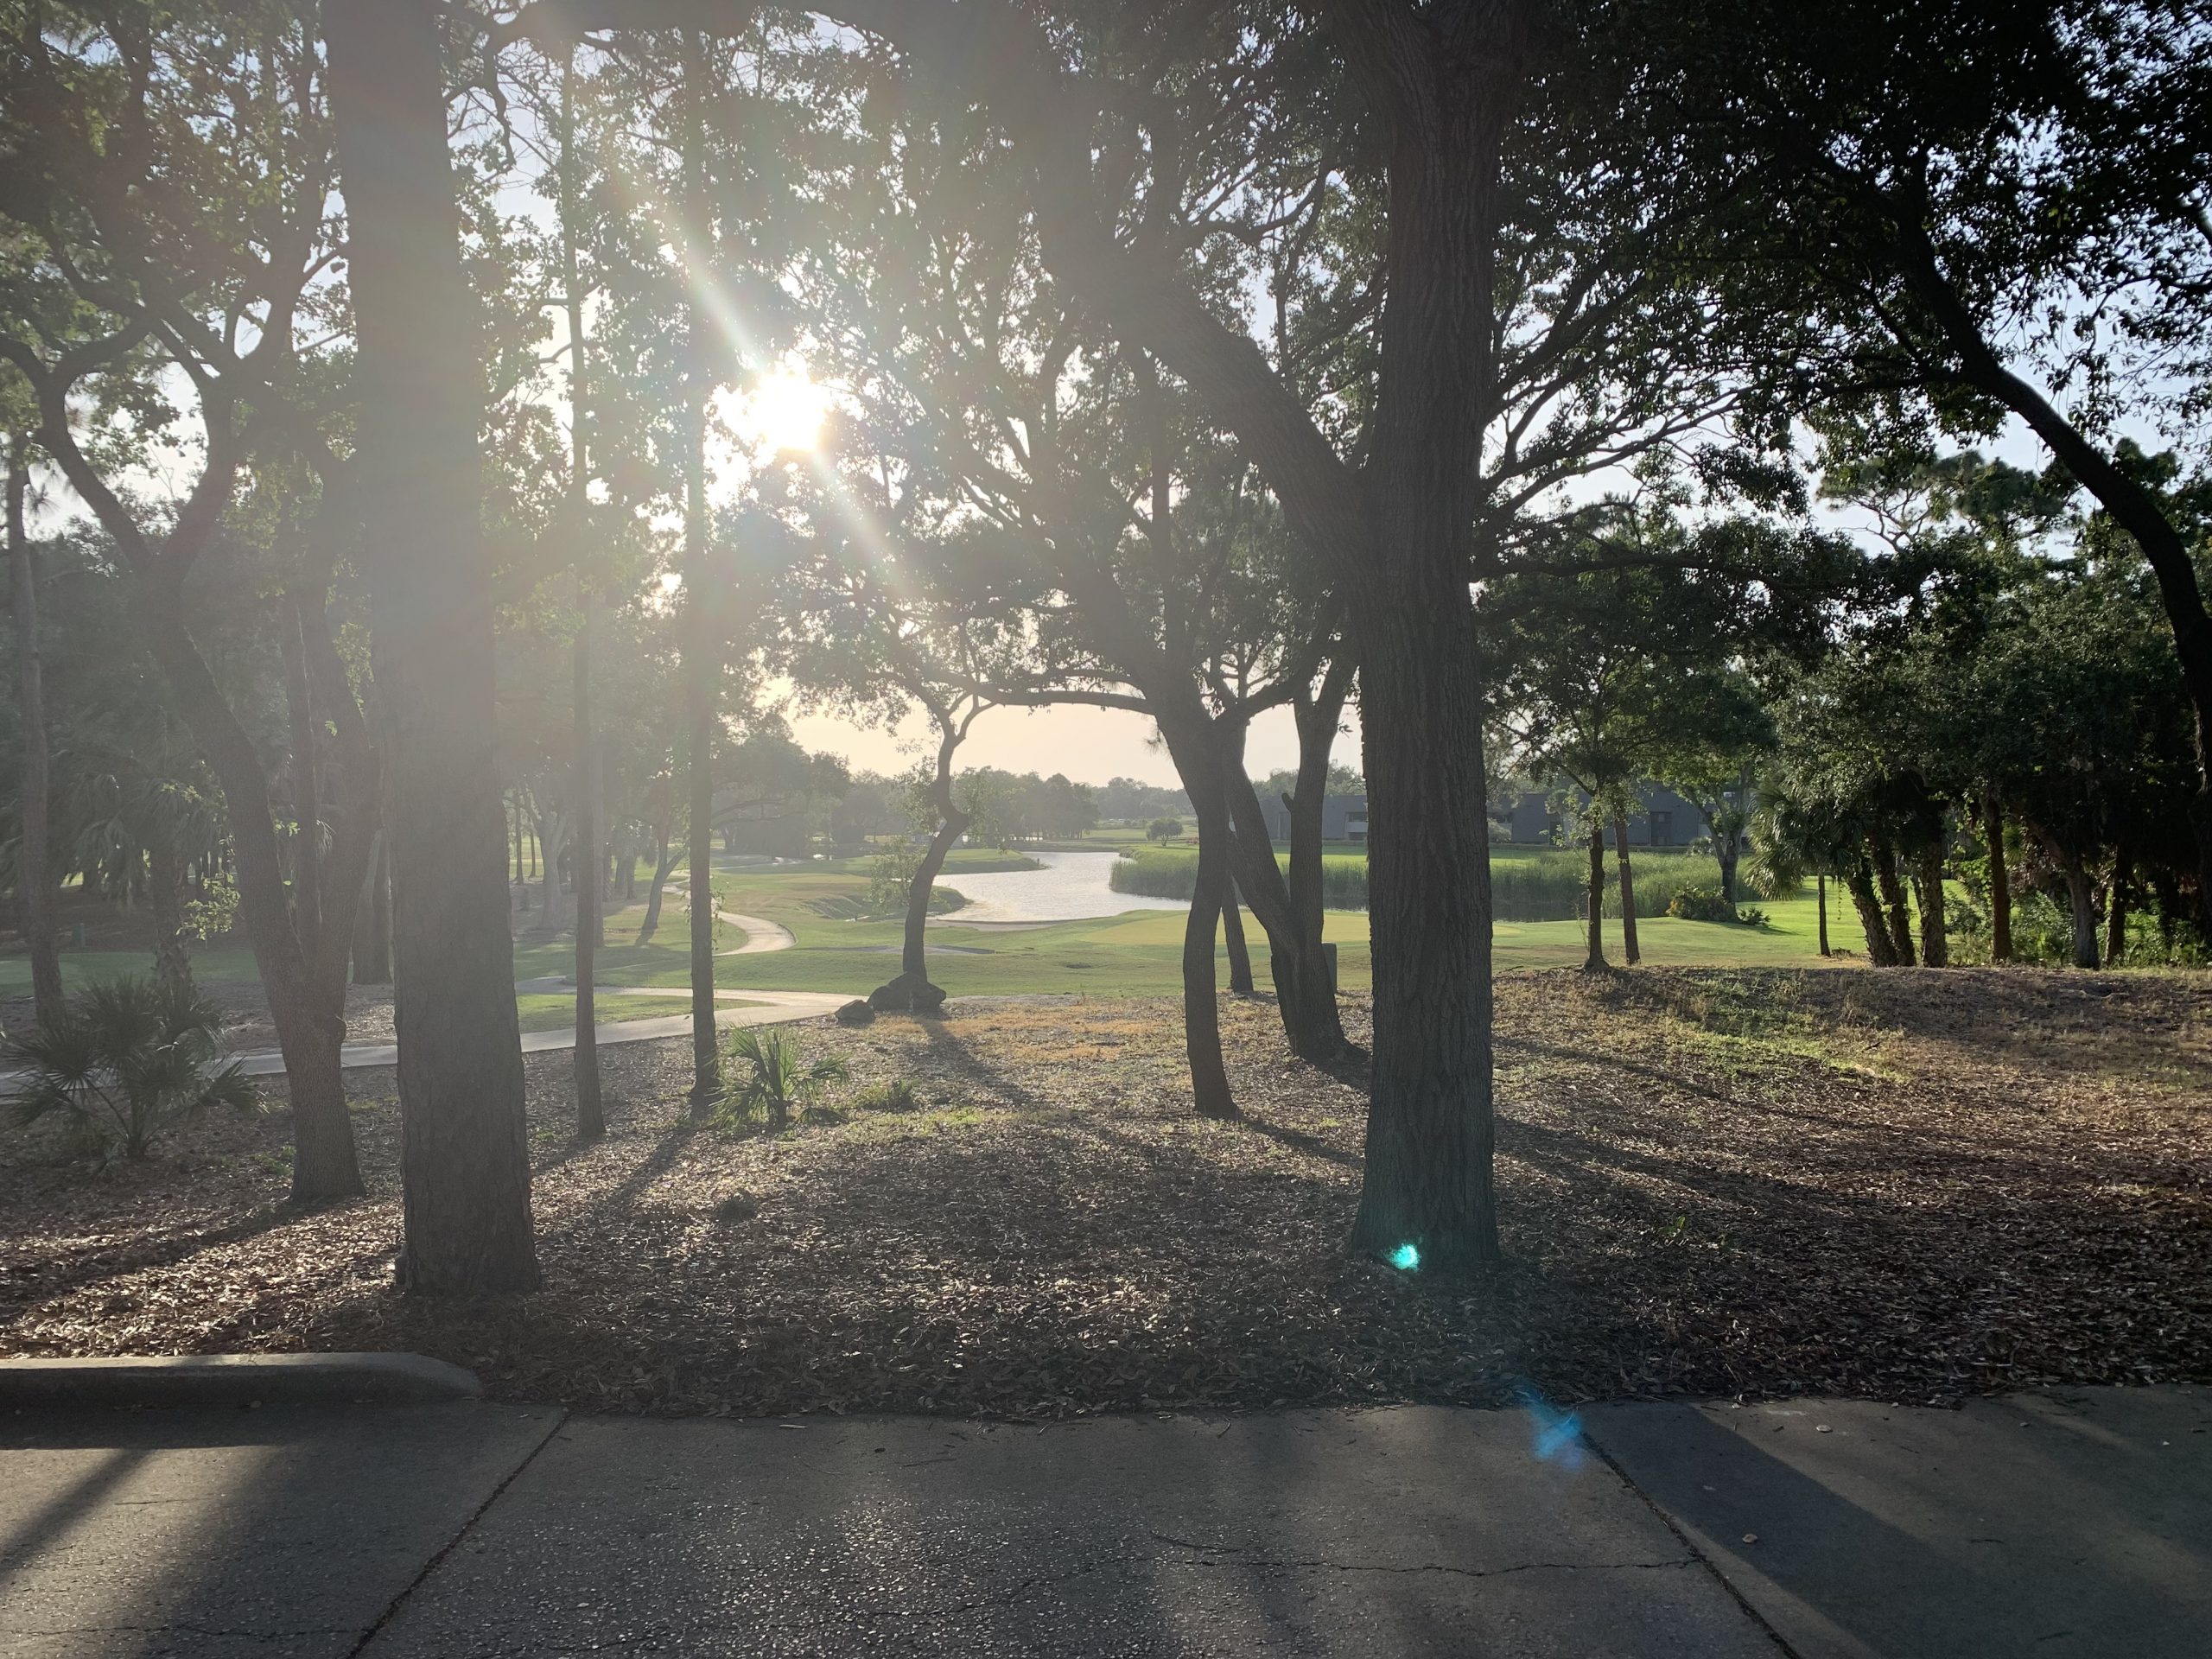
x=1701 y=903
x=777 y=1076
x=897 y=1095
x=124 y=1062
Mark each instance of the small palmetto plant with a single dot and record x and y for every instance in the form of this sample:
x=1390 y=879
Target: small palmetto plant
x=124 y=1062
x=774 y=1076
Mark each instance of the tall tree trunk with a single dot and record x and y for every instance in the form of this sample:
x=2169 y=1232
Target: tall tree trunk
x=307 y=804
x=1628 y=894
x=552 y=901
x=1594 y=960
x=1210 y=1096
x=591 y=1115
x=703 y=658
x=951 y=824
x=1318 y=718
x=664 y=862
x=464 y=1157
x=1821 y=895
x=1304 y=995
x=1881 y=949
x=165 y=887
x=1934 y=929
x=373 y=924
x=2116 y=910
x=2082 y=894
x=35 y=872
x=1232 y=928
x=2001 y=881
x=1885 y=871
x=309 y=1021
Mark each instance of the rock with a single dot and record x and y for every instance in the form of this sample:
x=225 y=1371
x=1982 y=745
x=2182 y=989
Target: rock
x=893 y=998
x=858 y=1012
x=928 y=998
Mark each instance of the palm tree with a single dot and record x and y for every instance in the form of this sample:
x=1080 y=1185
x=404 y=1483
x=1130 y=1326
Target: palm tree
x=124 y=1062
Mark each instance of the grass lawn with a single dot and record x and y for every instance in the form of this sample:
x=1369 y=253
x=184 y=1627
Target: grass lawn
x=1137 y=954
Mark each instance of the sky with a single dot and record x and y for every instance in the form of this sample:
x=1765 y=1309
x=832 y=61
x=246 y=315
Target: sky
x=1090 y=745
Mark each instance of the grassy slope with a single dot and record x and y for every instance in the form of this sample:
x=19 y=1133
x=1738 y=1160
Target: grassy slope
x=1135 y=954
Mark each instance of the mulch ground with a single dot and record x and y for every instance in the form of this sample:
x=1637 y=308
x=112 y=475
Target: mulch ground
x=1906 y=1185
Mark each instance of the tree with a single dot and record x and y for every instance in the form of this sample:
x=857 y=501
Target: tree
x=34 y=883
x=1163 y=829
x=2013 y=224
x=139 y=242
x=466 y=1153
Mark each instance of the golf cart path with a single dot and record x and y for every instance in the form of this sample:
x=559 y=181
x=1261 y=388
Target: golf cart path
x=766 y=1009
x=761 y=935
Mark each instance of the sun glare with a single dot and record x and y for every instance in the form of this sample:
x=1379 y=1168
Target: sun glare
x=785 y=412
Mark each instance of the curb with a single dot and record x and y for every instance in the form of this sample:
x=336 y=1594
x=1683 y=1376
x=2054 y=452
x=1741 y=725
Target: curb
x=233 y=1380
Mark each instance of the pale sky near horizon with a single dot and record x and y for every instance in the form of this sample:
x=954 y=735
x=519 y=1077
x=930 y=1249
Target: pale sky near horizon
x=1090 y=745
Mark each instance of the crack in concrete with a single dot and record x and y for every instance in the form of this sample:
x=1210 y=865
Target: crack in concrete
x=1241 y=1555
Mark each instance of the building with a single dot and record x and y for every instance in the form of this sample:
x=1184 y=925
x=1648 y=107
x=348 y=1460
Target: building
x=1663 y=819
x=1343 y=818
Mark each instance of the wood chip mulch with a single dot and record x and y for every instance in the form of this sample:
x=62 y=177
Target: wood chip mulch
x=1910 y=1186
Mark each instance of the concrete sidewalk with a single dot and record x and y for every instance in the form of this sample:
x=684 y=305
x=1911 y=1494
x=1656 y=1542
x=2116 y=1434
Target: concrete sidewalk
x=491 y=1529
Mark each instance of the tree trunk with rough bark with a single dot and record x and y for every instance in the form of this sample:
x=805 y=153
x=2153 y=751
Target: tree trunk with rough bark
x=307 y=804
x=1232 y=929
x=1858 y=880
x=591 y=1115
x=1594 y=960
x=1821 y=895
x=2116 y=910
x=1893 y=898
x=165 y=893
x=2000 y=883
x=1210 y=1096
x=703 y=649
x=663 y=865
x=552 y=900
x=465 y=1156
x=372 y=922
x=1318 y=718
x=1629 y=950
x=2081 y=896
x=951 y=824
x=35 y=872
x=1934 y=929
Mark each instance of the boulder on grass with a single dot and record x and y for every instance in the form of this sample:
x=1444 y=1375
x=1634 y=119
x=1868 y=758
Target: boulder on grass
x=907 y=995
x=858 y=1012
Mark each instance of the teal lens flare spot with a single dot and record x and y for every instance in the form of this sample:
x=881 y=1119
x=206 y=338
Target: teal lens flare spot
x=1405 y=1258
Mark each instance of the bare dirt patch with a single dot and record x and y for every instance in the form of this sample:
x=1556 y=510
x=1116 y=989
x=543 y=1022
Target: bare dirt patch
x=1910 y=1185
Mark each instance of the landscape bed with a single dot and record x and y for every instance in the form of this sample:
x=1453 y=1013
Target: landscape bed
x=1909 y=1186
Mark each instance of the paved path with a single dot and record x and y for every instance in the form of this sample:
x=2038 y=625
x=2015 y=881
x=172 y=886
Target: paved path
x=769 y=1008
x=2076 y=1525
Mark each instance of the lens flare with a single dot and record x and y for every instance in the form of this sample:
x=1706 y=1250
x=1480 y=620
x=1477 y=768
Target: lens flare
x=1405 y=1258
x=785 y=412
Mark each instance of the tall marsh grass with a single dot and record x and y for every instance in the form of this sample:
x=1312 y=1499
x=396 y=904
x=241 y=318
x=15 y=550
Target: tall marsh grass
x=1541 y=884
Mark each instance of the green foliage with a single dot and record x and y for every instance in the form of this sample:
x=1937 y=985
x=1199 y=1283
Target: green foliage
x=214 y=914
x=777 y=1076
x=1526 y=884
x=1701 y=903
x=1163 y=829
x=896 y=1096
x=123 y=1062
x=890 y=877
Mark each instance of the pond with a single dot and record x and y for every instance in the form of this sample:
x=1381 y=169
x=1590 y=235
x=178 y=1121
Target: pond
x=1071 y=887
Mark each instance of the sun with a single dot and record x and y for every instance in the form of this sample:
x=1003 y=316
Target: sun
x=783 y=411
